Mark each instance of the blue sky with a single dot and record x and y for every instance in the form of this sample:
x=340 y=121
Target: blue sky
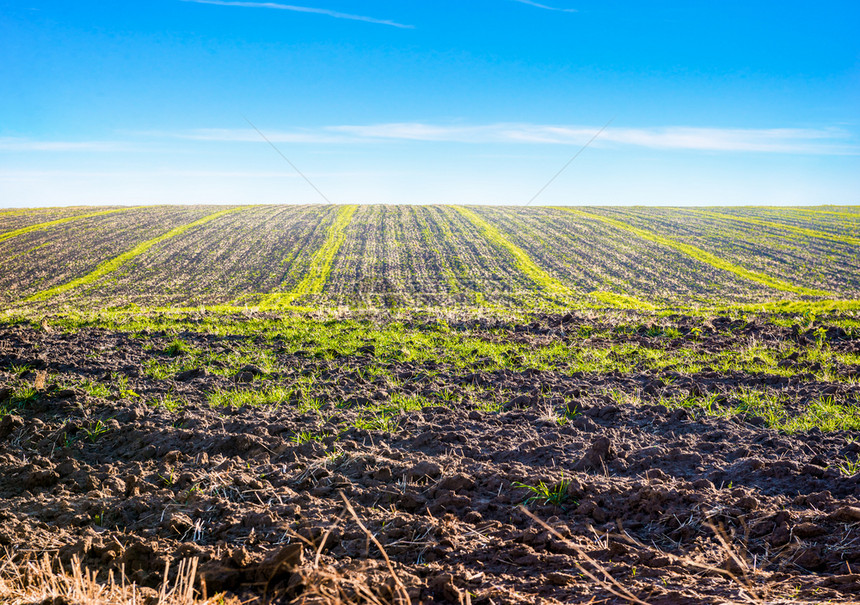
x=410 y=101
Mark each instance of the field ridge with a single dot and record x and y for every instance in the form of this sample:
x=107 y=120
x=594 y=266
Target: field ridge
x=320 y=265
x=852 y=214
x=522 y=261
x=701 y=255
x=801 y=230
x=40 y=226
x=116 y=262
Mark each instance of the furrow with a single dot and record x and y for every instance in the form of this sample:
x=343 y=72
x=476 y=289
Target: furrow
x=114 y=263
x=522 y=262
x=702 y=255
x=548 y=284
x=807 y=232
x=320 y=264
x=853 y=213
x=59 y=221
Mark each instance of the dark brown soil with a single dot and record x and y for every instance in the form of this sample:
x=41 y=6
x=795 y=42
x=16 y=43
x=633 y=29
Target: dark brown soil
x=651 y=492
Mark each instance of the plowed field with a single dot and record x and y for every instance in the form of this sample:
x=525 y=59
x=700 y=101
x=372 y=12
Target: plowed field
x=392 y=404
x=426 y=256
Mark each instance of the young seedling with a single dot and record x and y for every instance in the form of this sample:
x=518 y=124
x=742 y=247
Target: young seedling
x=96 y=389
x=96 y=430
x=546 y=494
x=121 y=382
x=849 y=467
x=305 y=437
x=378 y=422
x=169 y=479
x=176 y=347
x=169 y=402
x=23 y=396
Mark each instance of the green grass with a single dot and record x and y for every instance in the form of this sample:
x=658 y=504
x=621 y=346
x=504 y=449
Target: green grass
x=18 y=399
x=177 y=347
x=60 y=221
x=273 y=396
x=824 y=414
x=96 y=389
x=793 y=306
x=633 y=345
x=114 y=263
x=299 y=394
x=169 y=402
x=544 y=493
x=849 y=467
x=395 y=341
x=320 y=265
x=700 y=255
x=95 y=431
x=377 y=422
x=305 y=437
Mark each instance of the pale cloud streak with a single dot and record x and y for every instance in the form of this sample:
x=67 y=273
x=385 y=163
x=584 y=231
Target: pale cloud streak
x=303 y=9
x=21 y=144
x=773 y=140
x=248 y=135
x=809 y=141
x=545 y=7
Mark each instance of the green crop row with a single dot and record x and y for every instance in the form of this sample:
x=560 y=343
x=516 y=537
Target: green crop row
x=114 y=263
x=320 y=263
x=621 y=301
x=807 y=232
x=851 y=211
x=702 y=255
x=59 y=221
x=521 y=260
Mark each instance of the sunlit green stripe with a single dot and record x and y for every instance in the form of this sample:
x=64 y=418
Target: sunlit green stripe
x=701 y=255
x=113 y=264
x=59 y=221
x=320 y=265
x=522 y=262
x=801 y=230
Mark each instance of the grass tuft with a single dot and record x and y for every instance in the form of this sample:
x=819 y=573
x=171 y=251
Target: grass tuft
x=544 y=493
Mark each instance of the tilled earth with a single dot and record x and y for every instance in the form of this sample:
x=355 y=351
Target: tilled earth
x=667 y=505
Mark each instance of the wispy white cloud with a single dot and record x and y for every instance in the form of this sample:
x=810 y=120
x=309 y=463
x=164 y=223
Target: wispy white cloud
x=245 y=135
x=304 y=9
x=825 y=141
x=22 y=144
x=544 y=6
x=773 y=140
x=9 y=175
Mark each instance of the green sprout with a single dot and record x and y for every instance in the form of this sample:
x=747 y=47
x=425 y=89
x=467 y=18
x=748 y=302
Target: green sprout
x=176 y=347
x=849 y=467
x=545 y=493
x=169 y=479
x=96 y=430
x=305 y=437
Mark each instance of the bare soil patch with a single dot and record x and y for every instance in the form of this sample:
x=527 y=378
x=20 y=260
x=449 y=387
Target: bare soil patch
x=668 y=505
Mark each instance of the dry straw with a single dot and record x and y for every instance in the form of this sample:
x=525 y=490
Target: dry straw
x=45 y=580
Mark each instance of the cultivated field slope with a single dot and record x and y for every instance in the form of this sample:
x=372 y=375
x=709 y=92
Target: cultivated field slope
x=419 y=256
x=438 y=404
